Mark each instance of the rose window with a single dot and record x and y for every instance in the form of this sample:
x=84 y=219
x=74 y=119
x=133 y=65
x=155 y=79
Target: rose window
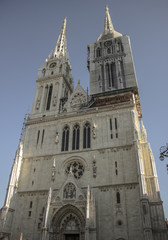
x=77 y=169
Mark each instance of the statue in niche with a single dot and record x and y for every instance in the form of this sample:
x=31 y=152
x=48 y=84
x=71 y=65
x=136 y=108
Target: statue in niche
x=57 y=138
x=69 y=191
x=38 y=103
x=94 y=131
x=54 y=101
x=94 y=168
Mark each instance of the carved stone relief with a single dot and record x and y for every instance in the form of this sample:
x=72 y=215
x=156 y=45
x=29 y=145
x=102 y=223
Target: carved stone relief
x=69 y=191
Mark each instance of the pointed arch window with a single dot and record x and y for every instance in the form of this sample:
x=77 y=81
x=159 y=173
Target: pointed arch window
x=76 y=137
x=98 y=52
x=65 y=139
x=49 y=97
x=86 y=136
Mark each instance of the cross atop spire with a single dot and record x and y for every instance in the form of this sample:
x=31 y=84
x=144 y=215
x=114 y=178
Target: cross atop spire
x=61 y=45
x=108 y=26
x=109 y=31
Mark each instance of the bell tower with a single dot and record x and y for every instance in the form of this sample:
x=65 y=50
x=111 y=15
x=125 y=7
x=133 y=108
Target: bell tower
x=54 y=80
x=110 y=61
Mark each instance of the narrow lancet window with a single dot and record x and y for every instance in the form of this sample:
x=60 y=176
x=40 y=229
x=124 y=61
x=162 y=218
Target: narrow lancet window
x=49 y=97
x=116 y=124
x=108 y=75
x=113 y=74
x=118 y=197
x=76 y=137
x=38 y=135
x=65 y=139
x=110 y=124
x=42 y=139
x=98 y=52
x=31 y=204
x=86 y=136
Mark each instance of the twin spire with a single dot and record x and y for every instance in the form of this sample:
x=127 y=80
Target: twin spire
x=109 y=31
x=61 y=45
x=108 y=26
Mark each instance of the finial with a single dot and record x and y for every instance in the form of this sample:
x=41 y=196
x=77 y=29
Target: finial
x=78 y=82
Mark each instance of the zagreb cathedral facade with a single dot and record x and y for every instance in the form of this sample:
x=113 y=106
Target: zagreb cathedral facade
x=84 y=169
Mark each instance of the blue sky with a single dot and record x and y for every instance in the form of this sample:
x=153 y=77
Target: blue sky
x=29 y=31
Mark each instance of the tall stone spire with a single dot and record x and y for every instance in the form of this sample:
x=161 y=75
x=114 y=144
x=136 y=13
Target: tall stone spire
x=109 y=31
x=108 y=26
x=61 y=45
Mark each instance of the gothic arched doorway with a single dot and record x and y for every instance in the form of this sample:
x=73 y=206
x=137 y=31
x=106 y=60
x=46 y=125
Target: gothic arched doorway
x=68 y=224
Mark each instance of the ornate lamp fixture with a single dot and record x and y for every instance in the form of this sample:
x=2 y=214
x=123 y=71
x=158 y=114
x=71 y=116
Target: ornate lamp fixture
x=163 y=152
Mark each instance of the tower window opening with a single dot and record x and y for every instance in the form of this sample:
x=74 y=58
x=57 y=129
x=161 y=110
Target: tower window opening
x=42 y=139
x=111 y=135
x=108 y=75
x=76 y=136
x=65 y=139
x=52 y=73
x=116 y=168
x=118 y=197
x=31 y=204
x=86 y=136
x=39 y=225
x=29 y=214
x=116 y=126
x=102 y=72
x=38 y=135
x=110 y=124
x=98 y=52
x=49 y=97
x=113 y=74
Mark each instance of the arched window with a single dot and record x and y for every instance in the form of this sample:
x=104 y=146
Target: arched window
x=49 y=97
x=118 y=197
x=86 y=136
x=76 y=137
x=98 y=52
x=65 y=139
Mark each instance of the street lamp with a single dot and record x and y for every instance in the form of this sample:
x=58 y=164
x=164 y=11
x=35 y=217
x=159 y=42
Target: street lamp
x=163 y=152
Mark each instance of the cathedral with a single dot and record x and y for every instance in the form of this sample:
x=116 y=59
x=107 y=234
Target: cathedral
x=84 y=169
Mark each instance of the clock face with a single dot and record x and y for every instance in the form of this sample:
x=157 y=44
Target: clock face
x=107 y=43
x=52 y=65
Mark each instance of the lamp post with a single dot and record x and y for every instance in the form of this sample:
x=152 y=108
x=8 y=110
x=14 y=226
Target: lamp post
x=164 y=153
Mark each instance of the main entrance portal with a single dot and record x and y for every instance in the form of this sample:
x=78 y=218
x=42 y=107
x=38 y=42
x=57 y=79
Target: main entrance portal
x=72 y=237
